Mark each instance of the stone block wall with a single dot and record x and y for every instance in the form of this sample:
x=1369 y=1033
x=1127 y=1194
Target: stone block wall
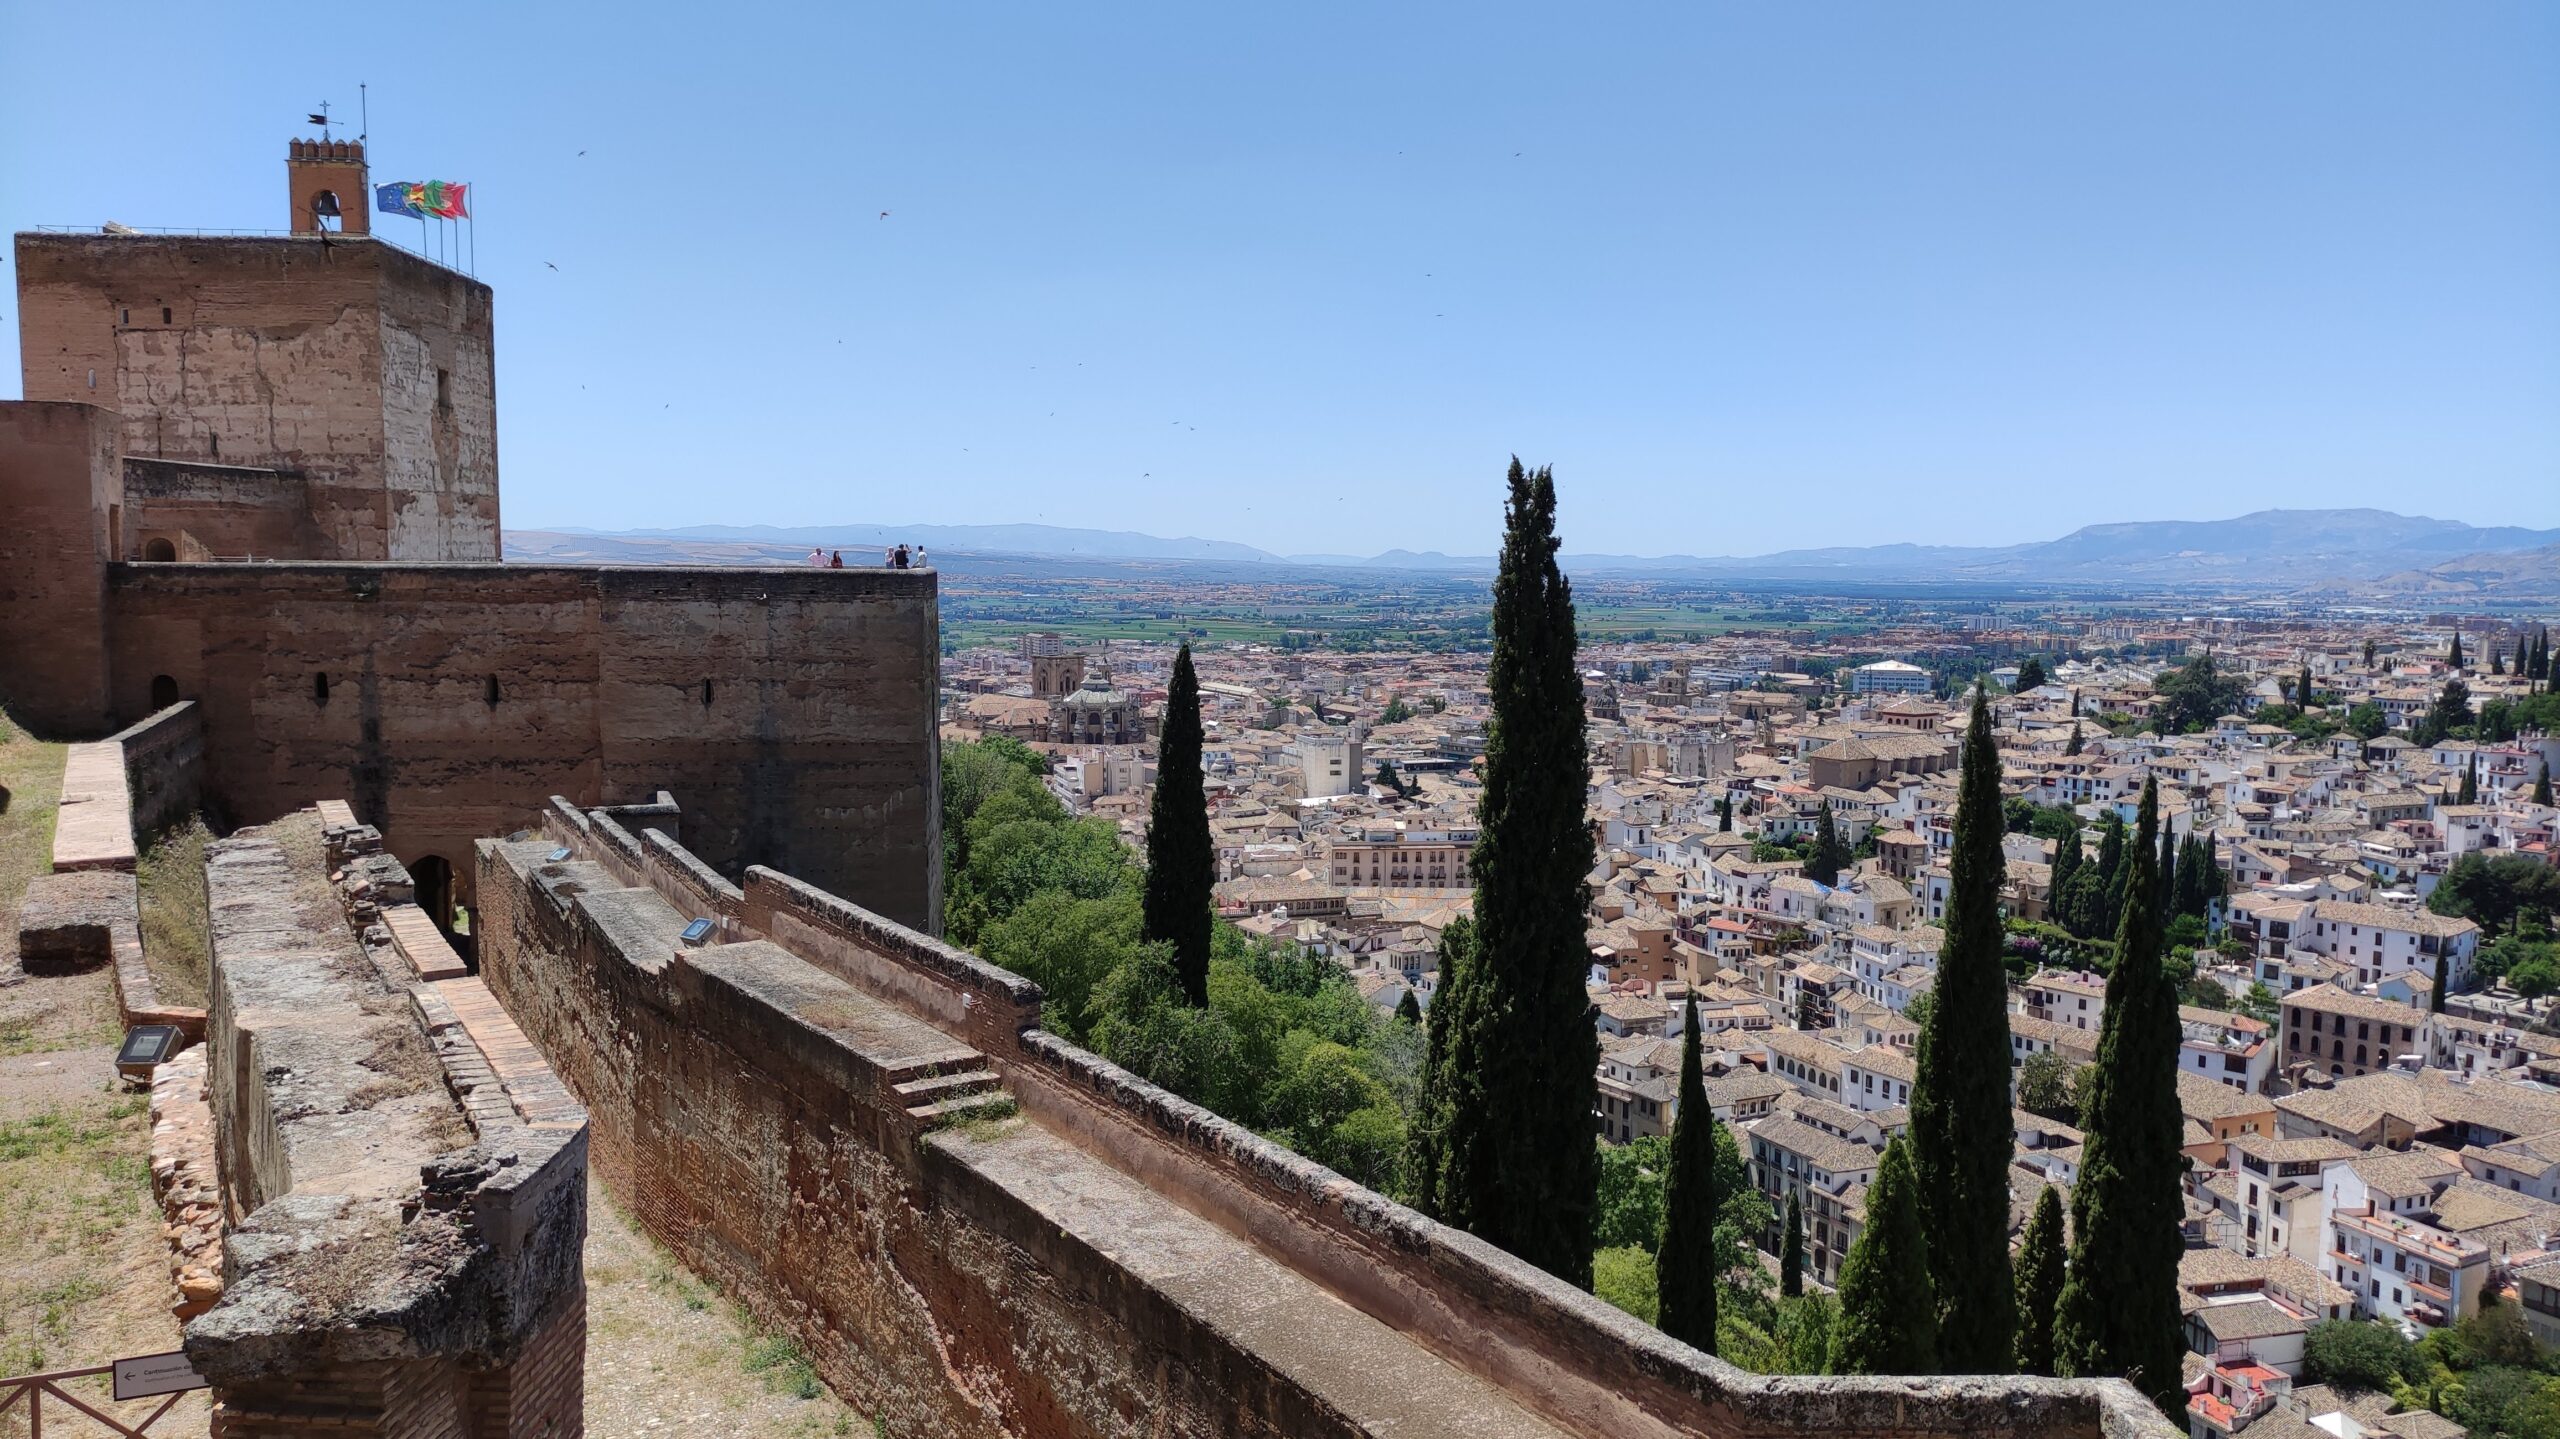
x=1113 y=1261
x=402 y=1183
x=392 y=428
x=163 y=766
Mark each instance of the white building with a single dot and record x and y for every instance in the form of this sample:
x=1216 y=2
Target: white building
x=1889 y=677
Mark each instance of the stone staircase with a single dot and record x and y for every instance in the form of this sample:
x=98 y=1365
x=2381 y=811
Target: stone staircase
x=941 y=1094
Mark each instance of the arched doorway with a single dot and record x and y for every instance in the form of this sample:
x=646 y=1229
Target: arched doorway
x=160 y=551
x=164 y=692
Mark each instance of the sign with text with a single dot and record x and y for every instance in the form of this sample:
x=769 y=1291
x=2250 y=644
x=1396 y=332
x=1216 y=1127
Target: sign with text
x=144 y=1375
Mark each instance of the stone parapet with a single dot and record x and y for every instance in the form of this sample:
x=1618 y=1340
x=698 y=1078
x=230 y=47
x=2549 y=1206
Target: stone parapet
x=1090 y=1254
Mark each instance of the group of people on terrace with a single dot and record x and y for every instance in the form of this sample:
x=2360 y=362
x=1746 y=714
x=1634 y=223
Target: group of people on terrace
x=899 y=557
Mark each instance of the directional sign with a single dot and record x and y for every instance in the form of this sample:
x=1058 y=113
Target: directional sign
x=144 y=1375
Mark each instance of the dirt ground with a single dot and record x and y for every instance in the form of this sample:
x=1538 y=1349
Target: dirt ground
x=84 y=1275
x=667 y=1355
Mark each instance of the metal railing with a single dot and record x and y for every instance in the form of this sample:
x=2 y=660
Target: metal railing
x=34 y=1387
x=204 y=232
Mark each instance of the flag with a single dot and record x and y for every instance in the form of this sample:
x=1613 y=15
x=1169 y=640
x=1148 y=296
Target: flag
x=436 y=199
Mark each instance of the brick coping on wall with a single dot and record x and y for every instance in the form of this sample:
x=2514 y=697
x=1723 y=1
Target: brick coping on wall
x=1559 y=1348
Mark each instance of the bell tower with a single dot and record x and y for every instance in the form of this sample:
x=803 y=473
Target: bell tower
x=330 y=195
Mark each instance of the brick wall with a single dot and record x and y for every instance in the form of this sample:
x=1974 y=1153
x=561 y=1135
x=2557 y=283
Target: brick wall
x=952 y=1282
x=60 y=496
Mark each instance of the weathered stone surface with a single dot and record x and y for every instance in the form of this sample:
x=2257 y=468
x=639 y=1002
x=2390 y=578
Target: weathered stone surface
x=1110 y=1261
x=413 y=1203
x=69 y=922
x=792 y=710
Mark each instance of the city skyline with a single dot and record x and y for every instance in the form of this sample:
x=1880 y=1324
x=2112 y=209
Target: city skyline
x=1751 y=281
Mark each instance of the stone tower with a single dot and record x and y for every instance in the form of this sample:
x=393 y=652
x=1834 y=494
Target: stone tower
x=330 y=193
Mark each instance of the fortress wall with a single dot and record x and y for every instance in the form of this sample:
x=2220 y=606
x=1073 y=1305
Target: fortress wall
x=756 y=1161
x=61 y=497
x=816 y=749
x=209 y=511
x=247 y=320
x=439 y=413
x=384 y=360
x=163 y=766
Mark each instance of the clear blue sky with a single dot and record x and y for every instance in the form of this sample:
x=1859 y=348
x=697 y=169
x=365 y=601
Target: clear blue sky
x=1749 y=275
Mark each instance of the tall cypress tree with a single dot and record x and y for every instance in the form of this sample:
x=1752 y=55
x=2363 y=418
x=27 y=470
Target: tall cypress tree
x=1684 y=1264
x=2074 y=746
x=1791 y=1252
x=2302 y=687
x=2119 y=1309
x=1428 y=1140
x=1960 y=1117
x=2435 y=997
x=2040 y=1268
x=1888 y=1320
x=2470 y=793
x=2542 y=786
x=1181 y=864
x=1828 y=852
x=2497 y=658
x=2110 y=896
x=1519 y=1168
x=2168 y=881
x=1724 y=815
x=2066 y=863
x=2453 y=656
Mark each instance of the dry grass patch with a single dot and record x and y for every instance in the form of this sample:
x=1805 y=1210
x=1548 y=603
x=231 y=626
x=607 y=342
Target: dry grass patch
x=84 y=1274
x=666 y=1353
x=177 y=925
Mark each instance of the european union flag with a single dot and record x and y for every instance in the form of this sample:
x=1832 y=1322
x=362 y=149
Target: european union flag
x=393 y=199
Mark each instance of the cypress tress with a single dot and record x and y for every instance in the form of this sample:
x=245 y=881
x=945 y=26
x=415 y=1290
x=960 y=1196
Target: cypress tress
x=1684 y=1263
x=1426 y=1142
x=2302 y=688
x=2110 y=898
x=1181 y=864
x=1888 y=1320
x=2453 y=656
x=1824 y=867
x=1791 y=1252
x=2542 y=786
x=2470 y=783
x=2074 y=746
x=2040 y=1267
x=1518 y=1165
x=2435 y=998
x=2119 y=1310
x=1961 y=1137
x=2066 y=863
x=2168 y=881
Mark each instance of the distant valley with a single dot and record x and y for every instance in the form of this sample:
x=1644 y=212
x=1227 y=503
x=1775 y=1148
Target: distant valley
x=2362 y=552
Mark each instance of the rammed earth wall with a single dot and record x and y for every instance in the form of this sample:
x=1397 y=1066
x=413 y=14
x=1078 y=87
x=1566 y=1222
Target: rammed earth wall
x=1111 y=1260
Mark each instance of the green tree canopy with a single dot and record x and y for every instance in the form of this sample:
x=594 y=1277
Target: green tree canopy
x=1888 y=1307
x=2193 y=696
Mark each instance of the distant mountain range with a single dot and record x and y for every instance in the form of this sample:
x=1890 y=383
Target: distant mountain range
x=2375 y=551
